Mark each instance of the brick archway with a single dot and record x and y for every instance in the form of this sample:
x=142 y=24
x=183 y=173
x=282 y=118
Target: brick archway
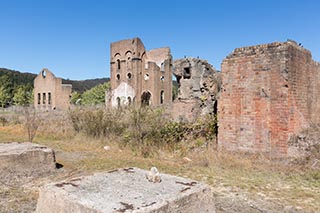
x=146 y=98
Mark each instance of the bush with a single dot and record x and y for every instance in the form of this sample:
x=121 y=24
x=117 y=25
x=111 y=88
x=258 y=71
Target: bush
x=144 y=129
x=144 y=132
x=31 y=122
x=97 y=122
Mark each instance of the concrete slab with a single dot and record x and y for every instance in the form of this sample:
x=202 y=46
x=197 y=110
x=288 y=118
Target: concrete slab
x=125 y=190
x=25 y=158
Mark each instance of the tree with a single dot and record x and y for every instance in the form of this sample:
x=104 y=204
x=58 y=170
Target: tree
x=6 y=88
x=76 y=98
x=31 y=96
x=95 y=95
x=5 y=96
x=22 y=95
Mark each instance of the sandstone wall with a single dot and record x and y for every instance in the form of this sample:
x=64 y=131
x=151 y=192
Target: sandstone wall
x=268 y=92
x=199 y=85
x=50 y=93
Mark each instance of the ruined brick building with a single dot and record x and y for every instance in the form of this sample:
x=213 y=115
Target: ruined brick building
x=199 y=84
x=50 y=93
x=138 y=76
x=268 y=93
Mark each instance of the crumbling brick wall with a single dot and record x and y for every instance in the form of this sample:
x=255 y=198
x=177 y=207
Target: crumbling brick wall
x=268 y=92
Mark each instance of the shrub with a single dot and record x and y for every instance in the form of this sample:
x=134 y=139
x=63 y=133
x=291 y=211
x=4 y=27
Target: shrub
x=3 y=121
x=97 y=122
x=144 y=132
x=144 y=129
x=31 y=123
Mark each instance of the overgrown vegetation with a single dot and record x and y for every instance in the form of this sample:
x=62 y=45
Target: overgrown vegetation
x=95 y=95
x=144 y=129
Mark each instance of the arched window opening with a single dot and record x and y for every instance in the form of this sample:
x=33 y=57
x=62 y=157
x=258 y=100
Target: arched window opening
x=118 y=76
x=118 y=101
x=129 y=75
x=162 y=78
x=128 y=56
x=145 y=98
x=118 y=63
x=146 y=76
x=129 y=100
x=44 y=73
x=161 y=97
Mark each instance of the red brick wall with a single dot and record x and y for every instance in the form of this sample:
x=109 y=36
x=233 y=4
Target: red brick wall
x=268 y=92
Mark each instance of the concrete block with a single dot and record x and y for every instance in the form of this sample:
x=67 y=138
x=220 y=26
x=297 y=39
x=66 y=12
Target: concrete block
x=125 y=190
x=25 y=158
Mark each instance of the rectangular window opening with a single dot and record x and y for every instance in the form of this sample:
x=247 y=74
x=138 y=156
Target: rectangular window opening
x=39 y=98
x=44 y=98
x=187 y=73
x=49 y=98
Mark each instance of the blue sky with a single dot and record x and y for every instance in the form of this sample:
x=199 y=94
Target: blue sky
x=72 y=37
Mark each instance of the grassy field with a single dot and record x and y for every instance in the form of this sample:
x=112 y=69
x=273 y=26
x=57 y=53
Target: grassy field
x=241 y=182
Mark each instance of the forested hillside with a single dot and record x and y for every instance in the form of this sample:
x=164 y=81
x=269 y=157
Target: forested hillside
x=81 y=86
x=18 y=78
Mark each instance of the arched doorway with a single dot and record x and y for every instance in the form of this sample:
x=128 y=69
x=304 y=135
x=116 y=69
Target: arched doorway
x=145 y=98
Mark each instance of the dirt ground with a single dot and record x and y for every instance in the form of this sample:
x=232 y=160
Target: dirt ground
x=20 y=194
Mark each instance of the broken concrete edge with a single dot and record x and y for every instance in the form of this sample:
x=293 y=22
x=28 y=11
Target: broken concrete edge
x=126 y=189
x=26 y=159
x=8 y=148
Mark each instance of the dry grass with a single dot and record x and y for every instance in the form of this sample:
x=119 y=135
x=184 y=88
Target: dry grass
x=253 y=175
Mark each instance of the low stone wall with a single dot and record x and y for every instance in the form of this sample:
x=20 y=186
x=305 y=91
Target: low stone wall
x=125 y=190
